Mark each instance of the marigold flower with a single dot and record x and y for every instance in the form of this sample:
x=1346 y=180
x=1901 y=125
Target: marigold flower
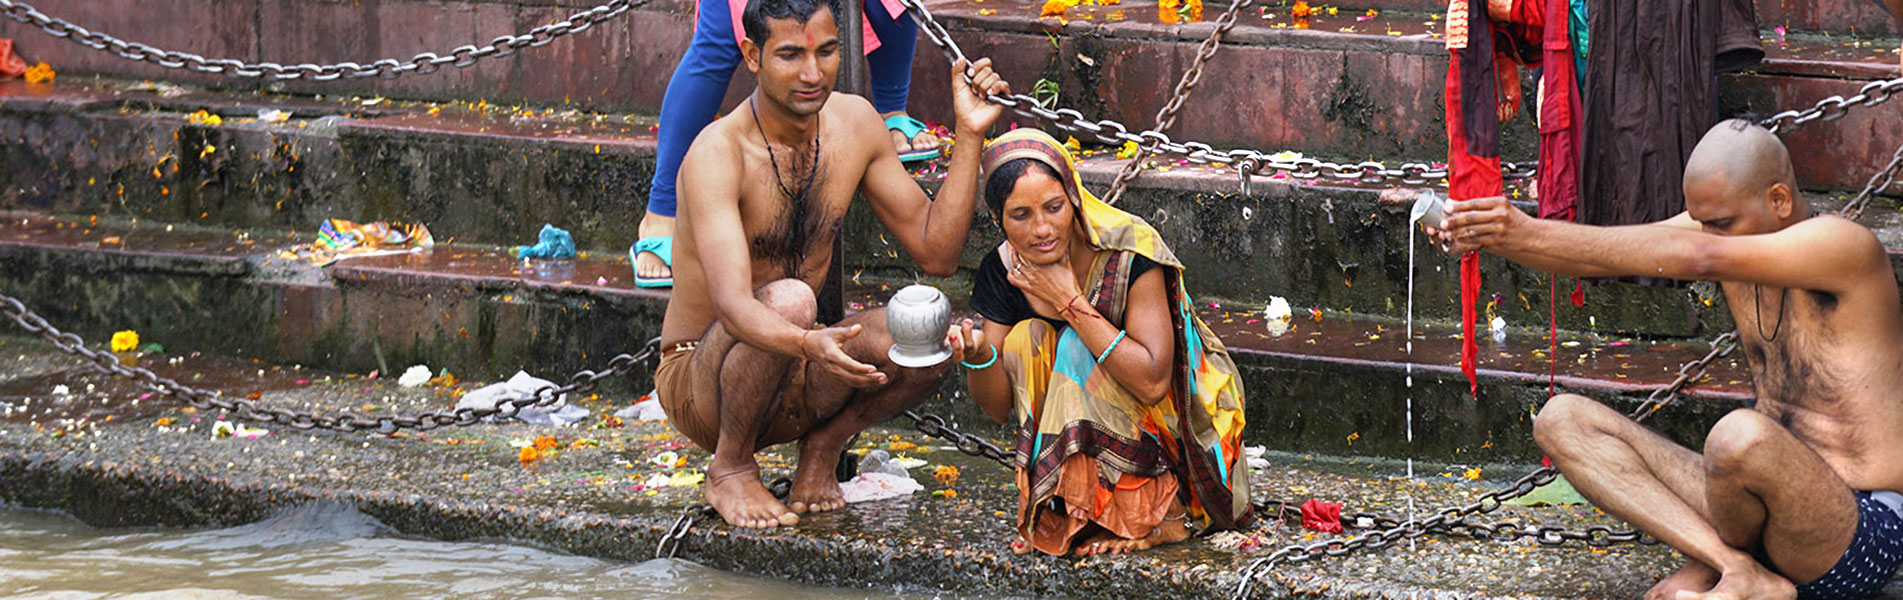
x=1301 y=10
x=528 y=455
x=1053 y=8
x=946 y=474
x=546 y=443
x=40 y=73
x=125 y=341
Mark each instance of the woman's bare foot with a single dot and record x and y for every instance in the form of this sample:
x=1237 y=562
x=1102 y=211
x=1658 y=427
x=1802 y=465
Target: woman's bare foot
x=647 y=265
x=1170 y=531
x=743 y=502
x=1693 y=577
x=924 y=140
x=1020 y=547
x=1749 y=583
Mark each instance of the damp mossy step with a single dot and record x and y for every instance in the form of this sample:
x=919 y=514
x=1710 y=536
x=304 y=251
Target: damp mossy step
x=494 y=175
x=612 y=491
x=480 y=313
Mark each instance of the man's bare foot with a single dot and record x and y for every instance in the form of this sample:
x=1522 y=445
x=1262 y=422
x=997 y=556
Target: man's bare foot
x=815 y=486
x=1746 y=584
x=647 y=265
x=924 y=140
x=1693 y=577
x=1170 y=531
x=743 y=502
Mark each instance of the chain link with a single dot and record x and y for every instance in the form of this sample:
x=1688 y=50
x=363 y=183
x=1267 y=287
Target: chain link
x=1834 y=107
x=1878 y=183
x=1166 y=117
x=935 y=426
x=421 y=64
x=580 y=383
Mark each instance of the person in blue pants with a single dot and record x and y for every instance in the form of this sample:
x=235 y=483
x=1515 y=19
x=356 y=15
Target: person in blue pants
x=699 y=84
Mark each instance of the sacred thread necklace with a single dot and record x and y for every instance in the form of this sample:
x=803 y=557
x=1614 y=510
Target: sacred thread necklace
x=806 y=185
x=1757 y=310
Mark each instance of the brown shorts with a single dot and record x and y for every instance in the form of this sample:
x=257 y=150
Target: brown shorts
x=674 y=381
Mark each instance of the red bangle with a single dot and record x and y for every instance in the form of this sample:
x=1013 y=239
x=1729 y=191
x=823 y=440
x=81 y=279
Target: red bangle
x=803 y=333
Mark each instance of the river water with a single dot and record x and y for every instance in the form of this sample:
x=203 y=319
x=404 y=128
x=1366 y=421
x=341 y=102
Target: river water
x=330 y=552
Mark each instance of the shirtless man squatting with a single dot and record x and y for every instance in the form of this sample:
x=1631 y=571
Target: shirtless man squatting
x=763 y=193
x=1786 y=497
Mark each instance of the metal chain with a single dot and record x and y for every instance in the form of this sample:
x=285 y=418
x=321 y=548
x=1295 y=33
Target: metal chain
x=425 y=63
x=1166 y=117
x=1250 y=162
x=243 y=408
x=1834 y=107
x=935 y=426
x=1879 y=182
x=1246 y=161
x=1453 y=520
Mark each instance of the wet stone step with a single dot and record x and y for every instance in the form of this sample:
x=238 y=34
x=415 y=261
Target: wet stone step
x=610 y=488
x=477 y=311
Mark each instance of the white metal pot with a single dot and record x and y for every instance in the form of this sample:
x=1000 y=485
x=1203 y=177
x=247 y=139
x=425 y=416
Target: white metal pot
x=918 y=318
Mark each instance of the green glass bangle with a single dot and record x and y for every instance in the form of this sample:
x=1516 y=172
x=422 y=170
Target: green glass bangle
x=994 y=359
x=1112 y=346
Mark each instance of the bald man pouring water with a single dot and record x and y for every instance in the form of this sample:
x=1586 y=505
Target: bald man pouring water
x=1787 y=498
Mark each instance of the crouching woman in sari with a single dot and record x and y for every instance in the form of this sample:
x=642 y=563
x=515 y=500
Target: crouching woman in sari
x=1129 y=410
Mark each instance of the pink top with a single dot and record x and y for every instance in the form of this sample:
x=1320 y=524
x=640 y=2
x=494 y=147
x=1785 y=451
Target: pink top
x=892 y=7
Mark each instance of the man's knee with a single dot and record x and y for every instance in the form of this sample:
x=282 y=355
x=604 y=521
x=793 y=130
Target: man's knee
x=1736 y=438
x=1564 y=420
x=792 y=299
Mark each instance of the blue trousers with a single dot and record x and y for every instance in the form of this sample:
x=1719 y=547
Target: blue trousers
x=700 y=83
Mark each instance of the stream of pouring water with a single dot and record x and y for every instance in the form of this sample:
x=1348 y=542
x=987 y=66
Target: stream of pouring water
x=1408 y=336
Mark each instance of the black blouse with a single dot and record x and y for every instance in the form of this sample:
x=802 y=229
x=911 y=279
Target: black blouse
x=993 y=296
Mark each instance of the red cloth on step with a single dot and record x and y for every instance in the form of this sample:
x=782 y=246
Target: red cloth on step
x=11 y=65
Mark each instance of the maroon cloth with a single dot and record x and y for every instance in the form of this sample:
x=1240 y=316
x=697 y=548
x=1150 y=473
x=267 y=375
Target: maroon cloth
x=1559 y=119
x=1472 y=68
x=1650 y=95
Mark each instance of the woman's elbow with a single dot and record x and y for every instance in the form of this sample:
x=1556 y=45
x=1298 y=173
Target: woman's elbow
x=1153 y=391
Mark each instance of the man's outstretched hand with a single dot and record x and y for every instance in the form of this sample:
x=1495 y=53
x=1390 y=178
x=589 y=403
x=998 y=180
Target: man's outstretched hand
x=827 y=347
x=975 y=115
x=1478 y=224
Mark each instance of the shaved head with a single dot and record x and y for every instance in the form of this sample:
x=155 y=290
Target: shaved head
x=1739 y=181
x=1742 y=159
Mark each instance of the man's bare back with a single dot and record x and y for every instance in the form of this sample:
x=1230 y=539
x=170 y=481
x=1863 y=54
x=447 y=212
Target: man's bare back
x=1791 y=491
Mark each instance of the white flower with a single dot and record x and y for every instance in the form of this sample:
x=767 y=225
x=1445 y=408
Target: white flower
x=60 y=390
x=417 y=375
x=1497 y=325
x=1278 y=309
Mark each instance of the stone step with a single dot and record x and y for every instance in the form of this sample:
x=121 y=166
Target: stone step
x=161 y=466
x=483 y=315
x=494 y=176
x=1370 y=93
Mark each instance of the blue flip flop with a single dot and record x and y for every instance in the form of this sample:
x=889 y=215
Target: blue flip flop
x=910 y=128
x=659 y=246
